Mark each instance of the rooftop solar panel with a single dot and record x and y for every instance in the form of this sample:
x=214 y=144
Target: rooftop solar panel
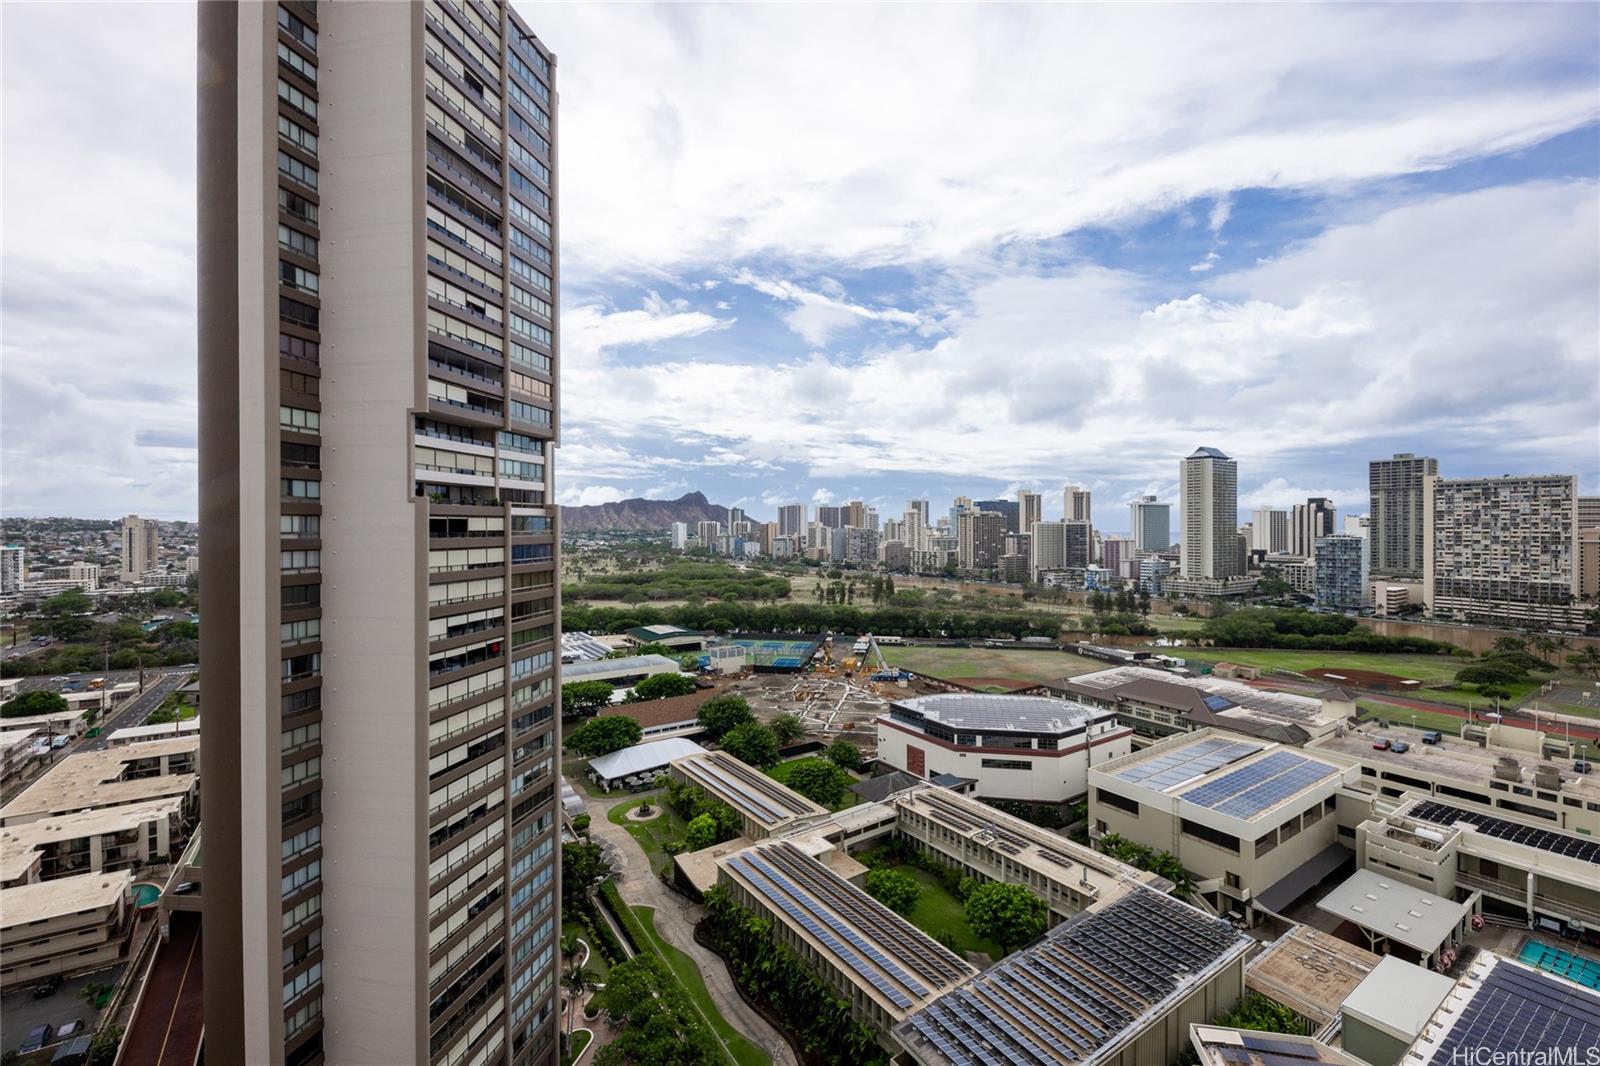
x=1518 y=1014
x=1567 y=844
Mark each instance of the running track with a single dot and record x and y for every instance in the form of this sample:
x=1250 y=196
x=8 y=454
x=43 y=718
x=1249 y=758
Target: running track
x=166 y=1031
x=1517 y=718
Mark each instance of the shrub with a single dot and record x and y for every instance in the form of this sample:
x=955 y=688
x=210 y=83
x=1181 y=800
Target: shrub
x=895 y=890
x=752 y=743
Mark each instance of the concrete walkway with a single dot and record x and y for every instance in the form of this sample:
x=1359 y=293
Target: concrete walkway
x=675 y=921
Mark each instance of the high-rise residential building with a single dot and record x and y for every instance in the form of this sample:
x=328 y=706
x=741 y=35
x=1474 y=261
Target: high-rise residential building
x=680 y=536
x=707 y=533
x=1116 y=553
x=832 y=517
x=981 y=539
x=1007 y=508
x=141 y=547
x=792 y=520
x=1054 y=546
x=1030 y=509
x=869 y=518
x=959 y=506
x=1502 y=550
x=1356 y=525
x=1589 y=547
x=377 y=199
x=894 y=529
x=1075 y=504
x=1269 y=530
x=13 y=568
x=1341 y=572
x=736 y=517
x=1310 y=522
x=1395 y=540
x=1588 y=512
x=855 y=514
x=1150 y=522
x=1208 y=487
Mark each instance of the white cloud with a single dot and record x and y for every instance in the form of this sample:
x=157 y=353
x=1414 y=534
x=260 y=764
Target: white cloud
x=1205 y=264
x=818 y=315
x=1220 y=212
x=808 y=131
x=590 y=495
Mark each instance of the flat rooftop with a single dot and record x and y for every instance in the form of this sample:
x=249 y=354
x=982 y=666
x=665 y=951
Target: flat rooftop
x=1055 y=857
x=1454 y=759
x=979 y=712
x=94 y=779
x=1526 y=834
x=66 y=895
x=1218 y=1046
x=19 y=842
x=893 y=962
x=747 y=790
x=641 y=758
x=1395 y=909
x=1399 y=997
x=1511 y=1012
x=1093 y=983
x=137 y=733
x=1241 y=701
x=1310 y=972
x=1242 y=779
x=628 y=664
x=12 y=737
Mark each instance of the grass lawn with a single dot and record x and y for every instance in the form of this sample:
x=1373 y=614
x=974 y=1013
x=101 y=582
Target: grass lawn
x=1444 y=723
x=688 y=973
x=783 y=770
x=937 y=912
x=1429 y=669
x=597 y=962
x=580 y=1040
x=575 y=769
x=990 y=664
x=654 y=834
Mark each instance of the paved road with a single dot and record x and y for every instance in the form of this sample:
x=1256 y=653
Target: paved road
x=675 y=918
x=48 y=682
x=133 y=712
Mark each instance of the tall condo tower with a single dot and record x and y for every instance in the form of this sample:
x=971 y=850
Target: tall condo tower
x=378 y=366
x=1209 y=483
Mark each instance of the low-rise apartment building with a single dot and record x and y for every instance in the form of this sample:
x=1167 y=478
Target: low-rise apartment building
x=130 y=775
x=63 y=927
x=1034 y=749
x=91 y=841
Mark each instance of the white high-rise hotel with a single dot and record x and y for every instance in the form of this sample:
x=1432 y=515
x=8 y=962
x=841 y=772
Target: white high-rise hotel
x=1208 y=483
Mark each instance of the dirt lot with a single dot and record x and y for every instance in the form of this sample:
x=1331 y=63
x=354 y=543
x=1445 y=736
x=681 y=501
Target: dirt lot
x=1360 y=678
x=829 y=705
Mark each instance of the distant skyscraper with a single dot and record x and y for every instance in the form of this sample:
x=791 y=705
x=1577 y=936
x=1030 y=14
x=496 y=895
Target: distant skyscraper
x=1208 y=485
x=736 y=515
x=1502 y=549
x=1030 y=509
x=680 y=536
x=920 y=509
x=792 y=519
x=982 y=537
x=1269 y=530
x=830 y=516
x=707 y=534
x=1395 y=541
x=1008 y=508
x=1341 y=572
x=1310 y=522
x=141 y=545
x=1150 y=522
x=13 y=568
x=855 y=514
x=1116 y=554
x=959 y=506
x=1355 y=525
x=1075 y=504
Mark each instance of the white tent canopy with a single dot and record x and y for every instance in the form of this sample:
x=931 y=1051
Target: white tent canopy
x=642 y=759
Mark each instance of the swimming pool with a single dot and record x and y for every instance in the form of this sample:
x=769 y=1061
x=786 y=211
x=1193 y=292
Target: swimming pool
x=145 y=894
x=1577 y=968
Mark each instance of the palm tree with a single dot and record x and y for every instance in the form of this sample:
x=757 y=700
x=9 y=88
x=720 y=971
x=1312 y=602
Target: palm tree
x=576 y=980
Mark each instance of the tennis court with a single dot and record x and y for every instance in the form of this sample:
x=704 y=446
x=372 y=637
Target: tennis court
x=776 y=654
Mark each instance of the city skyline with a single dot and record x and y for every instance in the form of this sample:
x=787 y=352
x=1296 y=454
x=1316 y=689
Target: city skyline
x=826 y=315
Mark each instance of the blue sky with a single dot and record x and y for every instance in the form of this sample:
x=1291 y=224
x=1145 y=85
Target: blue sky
x=837 y=252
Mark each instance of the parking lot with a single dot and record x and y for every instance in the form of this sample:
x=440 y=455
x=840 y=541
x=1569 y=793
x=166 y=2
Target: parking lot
x=20 y=1012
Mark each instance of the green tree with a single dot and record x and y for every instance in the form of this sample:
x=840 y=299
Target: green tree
x=661 y=686
x=820 y=781
x=844 y=754
x=583 y=866
x=788 y=728
x=1010 y=915
x=1261 y=1014
x=1586 y=661
x=602 y=736
x=32 y=703
x=584 y=697
x=722 y=714
x=895 y=890
x=752 y=743
x=103 y=1046
x=72 y=601
x=701 y=832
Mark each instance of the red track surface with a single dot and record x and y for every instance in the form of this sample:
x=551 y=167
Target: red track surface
x=166 y=1031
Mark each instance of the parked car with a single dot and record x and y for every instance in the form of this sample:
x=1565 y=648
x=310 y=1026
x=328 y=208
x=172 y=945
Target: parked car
x=1581 y=766
x=46 y=988
x=1431 y=737
x=1400 y=747
x=70 y=1029
x=60 y=742
x=1381 y=744
x=73 y=1052
x=37 y=1038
